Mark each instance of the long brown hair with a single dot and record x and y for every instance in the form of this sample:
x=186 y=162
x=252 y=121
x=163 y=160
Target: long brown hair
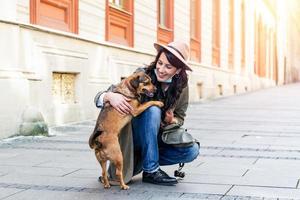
x=179 y=81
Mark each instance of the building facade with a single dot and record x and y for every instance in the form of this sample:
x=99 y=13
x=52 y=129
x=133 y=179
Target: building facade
x=57 y=54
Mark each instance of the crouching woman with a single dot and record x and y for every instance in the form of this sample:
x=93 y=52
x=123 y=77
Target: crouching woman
x=155 y=137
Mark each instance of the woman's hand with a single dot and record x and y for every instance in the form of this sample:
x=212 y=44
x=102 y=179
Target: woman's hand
x=169 y=118
x=119 y=102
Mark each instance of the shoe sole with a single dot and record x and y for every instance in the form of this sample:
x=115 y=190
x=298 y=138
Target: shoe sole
x=164 y=184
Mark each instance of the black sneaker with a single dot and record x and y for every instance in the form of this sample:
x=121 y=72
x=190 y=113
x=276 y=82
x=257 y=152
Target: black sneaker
x=159 y=177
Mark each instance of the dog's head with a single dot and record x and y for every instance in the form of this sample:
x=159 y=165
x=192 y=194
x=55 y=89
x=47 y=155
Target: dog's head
x=141 y=82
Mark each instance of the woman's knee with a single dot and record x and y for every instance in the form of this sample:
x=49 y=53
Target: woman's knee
x=147 y=123
x=194 y=152
x=153 y=114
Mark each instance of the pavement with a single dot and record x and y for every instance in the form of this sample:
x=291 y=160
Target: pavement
x=250 y=150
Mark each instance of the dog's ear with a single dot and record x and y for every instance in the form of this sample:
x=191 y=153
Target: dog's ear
x=135 y=82
x=142 y=78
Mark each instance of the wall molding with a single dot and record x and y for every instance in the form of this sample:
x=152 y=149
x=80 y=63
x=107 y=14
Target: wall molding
x=77 y=37
x=18 y=73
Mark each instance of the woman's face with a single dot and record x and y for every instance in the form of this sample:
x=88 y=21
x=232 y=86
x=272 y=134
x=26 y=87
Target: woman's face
x=164 y=69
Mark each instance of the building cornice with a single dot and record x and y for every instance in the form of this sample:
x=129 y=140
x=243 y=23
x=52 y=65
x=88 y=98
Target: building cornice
x=74 y=36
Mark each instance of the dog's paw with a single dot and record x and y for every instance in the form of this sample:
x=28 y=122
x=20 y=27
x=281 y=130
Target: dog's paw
x=160 y=104
x=124 y=187
x=106 y=186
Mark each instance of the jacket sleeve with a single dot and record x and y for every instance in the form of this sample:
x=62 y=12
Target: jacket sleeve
x=97 y=101
x=181 y=106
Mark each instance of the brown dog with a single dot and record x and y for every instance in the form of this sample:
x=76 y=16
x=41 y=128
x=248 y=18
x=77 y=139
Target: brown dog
x=104 y=139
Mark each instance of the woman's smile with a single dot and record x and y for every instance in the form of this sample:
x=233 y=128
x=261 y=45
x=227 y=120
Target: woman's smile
x=161 y=75
x=164 y=70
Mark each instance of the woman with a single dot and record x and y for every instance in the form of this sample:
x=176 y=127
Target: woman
x=143 y=149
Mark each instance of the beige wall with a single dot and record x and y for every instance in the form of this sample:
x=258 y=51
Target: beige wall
x=29 y=54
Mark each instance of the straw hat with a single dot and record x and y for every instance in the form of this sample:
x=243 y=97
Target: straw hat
x=179 y=49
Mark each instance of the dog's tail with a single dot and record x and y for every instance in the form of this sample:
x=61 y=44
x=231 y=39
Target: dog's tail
x=92 y=138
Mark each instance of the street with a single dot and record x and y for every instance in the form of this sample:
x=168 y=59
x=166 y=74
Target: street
x=250 y=149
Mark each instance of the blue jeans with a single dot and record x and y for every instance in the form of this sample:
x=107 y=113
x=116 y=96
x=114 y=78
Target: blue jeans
x=153 y=151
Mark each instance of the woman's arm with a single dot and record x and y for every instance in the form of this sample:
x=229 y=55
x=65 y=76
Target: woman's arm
x=99 y=98
x=118 y=101
x=177 y=115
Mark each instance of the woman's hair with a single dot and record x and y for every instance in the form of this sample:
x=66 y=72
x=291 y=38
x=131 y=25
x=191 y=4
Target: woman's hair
x=179 y=81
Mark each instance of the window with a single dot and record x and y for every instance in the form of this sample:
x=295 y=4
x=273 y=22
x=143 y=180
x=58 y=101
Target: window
x=57 y=14
x=200 y=90
x=263 y=51
x=119 y=22
x=119 y=3
x=216 y=33
x=260 y=47
x=234 y=89
x=220 y=89
x=256 y=42
x=231 y=35
x=165 y=21
x=195 y=42
x=275 y=60
x=63 y=87
x=243 y=34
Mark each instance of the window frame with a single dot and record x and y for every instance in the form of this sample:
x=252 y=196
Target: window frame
x=72 y=20
x=243 y=45
x=122 y=19
x=231 y=35
x=165 y=34
x=195 y=36
x=216 y=28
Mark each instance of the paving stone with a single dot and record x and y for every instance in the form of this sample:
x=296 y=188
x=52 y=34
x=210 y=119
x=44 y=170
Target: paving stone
x=188 y=188
x=200 y=196
x=228 y=169
x=6 y=192
x=50 y=195
x=37 y=171
x=268 y=192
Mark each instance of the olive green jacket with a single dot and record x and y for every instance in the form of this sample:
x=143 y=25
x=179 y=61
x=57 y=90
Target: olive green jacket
x=132 y=163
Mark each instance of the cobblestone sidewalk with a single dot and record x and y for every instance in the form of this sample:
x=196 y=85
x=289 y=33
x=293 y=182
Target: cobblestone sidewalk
x=250 y=150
